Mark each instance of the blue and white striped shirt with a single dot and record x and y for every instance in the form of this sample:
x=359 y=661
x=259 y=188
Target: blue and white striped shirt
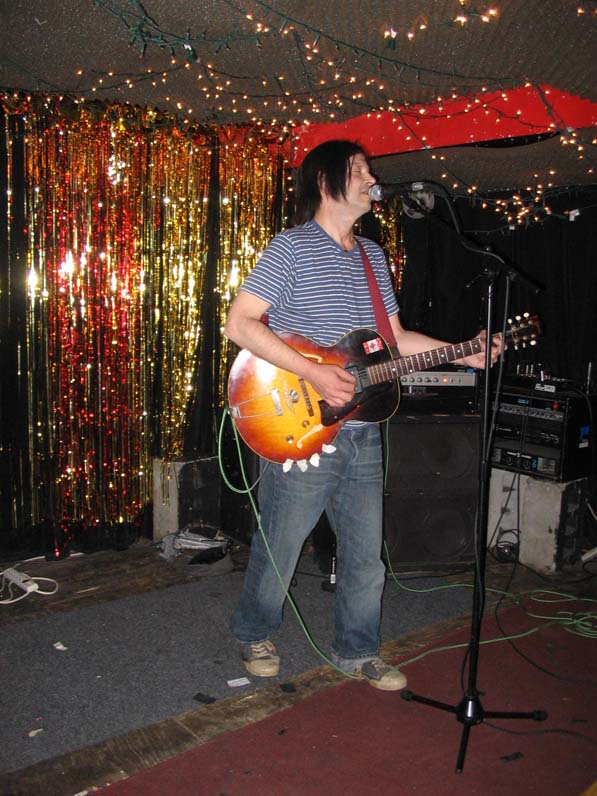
x=317 y=289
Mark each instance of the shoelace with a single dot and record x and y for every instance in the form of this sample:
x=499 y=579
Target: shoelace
x=262 y=649
x=378 y=665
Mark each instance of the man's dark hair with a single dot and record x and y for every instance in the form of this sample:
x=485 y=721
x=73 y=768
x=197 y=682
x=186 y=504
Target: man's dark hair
x=329 y=164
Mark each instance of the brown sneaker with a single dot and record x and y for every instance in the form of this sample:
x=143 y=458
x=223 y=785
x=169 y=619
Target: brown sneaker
x=261 y=659
x=381 y=675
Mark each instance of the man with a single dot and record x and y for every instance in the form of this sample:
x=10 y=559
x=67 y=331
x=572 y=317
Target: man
x=311 y=280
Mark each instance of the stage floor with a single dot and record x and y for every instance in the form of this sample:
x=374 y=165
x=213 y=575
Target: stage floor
x=174 y=655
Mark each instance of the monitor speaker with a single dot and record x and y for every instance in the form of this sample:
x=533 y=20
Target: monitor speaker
x=186 y=495
x=431 y=491
x=192 y=495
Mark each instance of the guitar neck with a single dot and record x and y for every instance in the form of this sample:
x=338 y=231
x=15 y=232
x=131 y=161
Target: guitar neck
x=387 y=371
x=437 y=356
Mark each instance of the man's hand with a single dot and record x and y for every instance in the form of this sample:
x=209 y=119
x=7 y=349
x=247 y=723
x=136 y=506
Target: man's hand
x=335 y=385
x=478 y=360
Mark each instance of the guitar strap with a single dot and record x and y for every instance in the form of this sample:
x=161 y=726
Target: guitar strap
x=381 y=315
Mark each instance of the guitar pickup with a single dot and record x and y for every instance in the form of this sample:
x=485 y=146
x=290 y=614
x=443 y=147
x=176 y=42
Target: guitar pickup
x=354 y=371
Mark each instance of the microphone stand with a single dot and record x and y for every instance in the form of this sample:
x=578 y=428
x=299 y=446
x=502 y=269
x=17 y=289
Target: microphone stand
x=469 y=711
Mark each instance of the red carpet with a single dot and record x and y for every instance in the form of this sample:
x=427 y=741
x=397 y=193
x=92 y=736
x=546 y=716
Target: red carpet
x=352 y=740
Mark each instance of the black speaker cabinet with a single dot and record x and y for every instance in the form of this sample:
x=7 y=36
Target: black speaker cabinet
x=431 y=490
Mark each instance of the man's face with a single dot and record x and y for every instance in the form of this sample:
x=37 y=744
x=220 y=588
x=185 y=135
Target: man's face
x=358 y=183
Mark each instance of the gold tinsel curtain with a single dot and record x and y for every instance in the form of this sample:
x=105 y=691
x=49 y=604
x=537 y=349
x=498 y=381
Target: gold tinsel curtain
x=105 y=277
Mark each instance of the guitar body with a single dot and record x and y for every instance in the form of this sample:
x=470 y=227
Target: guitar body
x=281 y=417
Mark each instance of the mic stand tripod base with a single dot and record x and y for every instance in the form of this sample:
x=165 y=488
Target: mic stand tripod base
x=469 y=712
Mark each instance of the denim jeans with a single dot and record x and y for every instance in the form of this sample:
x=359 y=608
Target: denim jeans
x=348 y=485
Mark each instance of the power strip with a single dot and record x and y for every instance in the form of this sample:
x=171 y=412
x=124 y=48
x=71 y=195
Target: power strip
x=21 y=580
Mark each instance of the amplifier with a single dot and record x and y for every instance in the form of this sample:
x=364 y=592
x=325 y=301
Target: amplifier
x=439 y=391
x=435 y=379
x=544 y=433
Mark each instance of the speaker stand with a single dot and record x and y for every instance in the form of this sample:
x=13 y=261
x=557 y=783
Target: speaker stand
x=469 y=711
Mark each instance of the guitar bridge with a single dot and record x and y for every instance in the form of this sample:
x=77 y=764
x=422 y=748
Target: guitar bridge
x=237 y=413
x=276 y=401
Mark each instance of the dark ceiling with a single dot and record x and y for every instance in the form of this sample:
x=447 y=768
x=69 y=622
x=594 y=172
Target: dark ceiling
x=289 y=62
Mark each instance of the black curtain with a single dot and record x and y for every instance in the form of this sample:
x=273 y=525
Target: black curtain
x=15 y=471
x=558 y=254
x=200 y=429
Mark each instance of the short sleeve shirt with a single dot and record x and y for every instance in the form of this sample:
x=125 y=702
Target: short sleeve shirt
x=315 y=287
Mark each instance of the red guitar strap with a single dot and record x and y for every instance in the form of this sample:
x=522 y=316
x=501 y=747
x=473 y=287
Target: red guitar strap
x=381 y=315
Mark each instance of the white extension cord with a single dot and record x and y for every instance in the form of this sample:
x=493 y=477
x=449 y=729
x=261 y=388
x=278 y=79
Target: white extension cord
x=11 y=578
x=20 y=579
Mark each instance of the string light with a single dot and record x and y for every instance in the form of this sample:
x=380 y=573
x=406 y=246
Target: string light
x=320 y=51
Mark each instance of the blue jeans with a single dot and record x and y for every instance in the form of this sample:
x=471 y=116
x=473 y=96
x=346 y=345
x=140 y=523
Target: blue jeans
x=348 y=485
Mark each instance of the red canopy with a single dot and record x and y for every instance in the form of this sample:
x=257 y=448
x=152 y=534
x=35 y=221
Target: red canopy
x=528 y=110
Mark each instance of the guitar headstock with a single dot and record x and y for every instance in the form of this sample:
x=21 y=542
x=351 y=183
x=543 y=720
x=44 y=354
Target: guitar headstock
x=524 y=330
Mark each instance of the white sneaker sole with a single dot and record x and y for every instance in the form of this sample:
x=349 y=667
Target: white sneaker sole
x=262 y=668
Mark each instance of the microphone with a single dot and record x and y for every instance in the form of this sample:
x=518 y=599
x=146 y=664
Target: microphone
x=379 y=191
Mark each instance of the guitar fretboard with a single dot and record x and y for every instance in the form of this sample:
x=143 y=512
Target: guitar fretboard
x=387 y=371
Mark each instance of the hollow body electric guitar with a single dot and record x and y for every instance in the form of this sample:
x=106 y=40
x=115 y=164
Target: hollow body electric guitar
x=282 y=418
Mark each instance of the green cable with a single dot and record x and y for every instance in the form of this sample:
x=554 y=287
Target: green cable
x=579 y=624
x=448 y=647
x=436 y=588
